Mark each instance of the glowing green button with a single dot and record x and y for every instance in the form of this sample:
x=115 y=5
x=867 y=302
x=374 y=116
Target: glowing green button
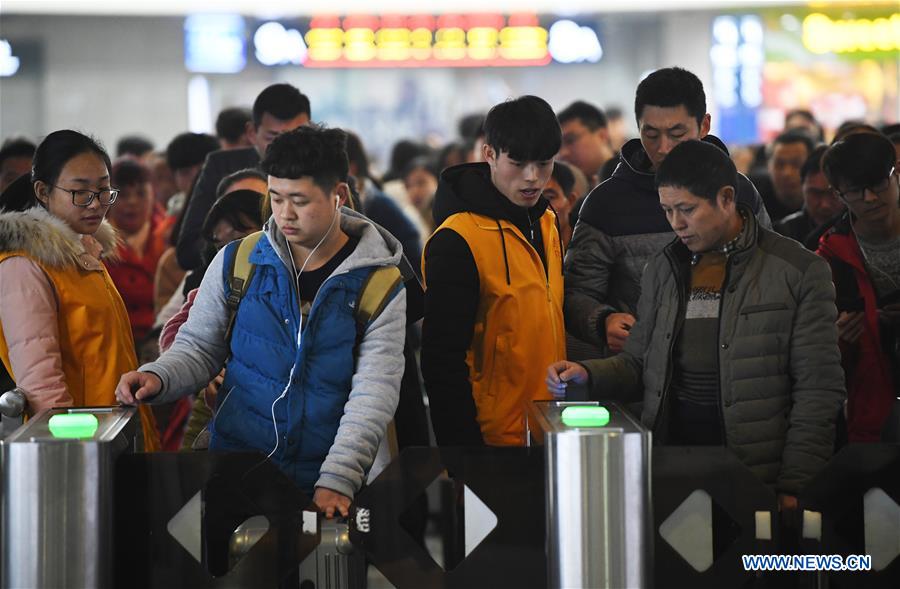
x=73 y=425
x=585 y=416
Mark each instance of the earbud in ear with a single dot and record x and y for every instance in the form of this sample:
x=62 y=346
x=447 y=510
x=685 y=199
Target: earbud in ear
x=337 y=201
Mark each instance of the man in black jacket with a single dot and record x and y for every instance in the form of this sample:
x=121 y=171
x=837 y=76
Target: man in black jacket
x=278 y=108
x=621 y=224
x=585 y=139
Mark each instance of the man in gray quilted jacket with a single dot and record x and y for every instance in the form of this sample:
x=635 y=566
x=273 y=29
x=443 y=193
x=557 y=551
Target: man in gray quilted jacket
x=735 y=342
x=621 y=226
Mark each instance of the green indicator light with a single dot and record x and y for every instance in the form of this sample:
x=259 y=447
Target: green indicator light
x=585 y=416
x=73 y=425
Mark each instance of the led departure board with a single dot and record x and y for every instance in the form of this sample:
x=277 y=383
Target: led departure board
x=448 y=40
x=220 y=43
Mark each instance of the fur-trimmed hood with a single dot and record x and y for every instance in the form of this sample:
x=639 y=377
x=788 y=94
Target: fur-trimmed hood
x=49 y=240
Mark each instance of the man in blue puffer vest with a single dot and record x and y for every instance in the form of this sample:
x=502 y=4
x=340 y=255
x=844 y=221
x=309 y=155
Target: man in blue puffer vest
x=296 y=388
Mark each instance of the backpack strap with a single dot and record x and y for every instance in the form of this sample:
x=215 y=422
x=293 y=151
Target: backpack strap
x=374 y=296
x=240 y=276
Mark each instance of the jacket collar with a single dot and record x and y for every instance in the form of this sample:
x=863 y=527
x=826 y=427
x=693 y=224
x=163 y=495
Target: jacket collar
x=743 y=248
x=377 y=247
x=467 y=188
x=50 y=241
x=840 y=241
x=635 y=166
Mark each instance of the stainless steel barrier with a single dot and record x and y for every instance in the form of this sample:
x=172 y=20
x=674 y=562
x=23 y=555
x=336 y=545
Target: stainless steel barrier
x=57 y=509
x=597 y=480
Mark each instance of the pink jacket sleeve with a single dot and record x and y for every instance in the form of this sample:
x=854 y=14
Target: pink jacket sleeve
x=28 y=312
x=170 y=329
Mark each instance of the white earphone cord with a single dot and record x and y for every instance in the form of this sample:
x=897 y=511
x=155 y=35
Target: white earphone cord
x=300 y=330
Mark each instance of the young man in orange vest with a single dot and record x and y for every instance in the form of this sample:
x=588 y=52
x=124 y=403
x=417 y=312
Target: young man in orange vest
x=493 y=268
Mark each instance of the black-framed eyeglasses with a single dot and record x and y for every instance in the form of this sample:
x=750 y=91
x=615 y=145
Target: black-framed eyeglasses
x=83 y=197
x=858 y=194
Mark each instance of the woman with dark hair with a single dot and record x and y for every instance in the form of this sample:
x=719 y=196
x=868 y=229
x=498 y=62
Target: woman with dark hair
x=143 y=242
x=64 y=331
x=420 y=178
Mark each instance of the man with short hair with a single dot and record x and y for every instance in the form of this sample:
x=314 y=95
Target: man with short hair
x=735 y=342
x=299 y=385
x=820 y=204
x=863 y=249
x=493 y=268
x=621 y=226
x=278 y=108
x=585 y=138
x=782 y=192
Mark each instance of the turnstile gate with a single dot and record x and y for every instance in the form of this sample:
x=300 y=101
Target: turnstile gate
x=597 y=480
x=57 y=507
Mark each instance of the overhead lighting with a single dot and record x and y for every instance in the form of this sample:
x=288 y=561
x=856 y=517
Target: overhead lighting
x=9 y=63
x=276 y=45
x=572 y=43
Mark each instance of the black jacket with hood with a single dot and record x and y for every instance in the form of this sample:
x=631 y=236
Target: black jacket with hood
x=620 y=227
x=451 y=299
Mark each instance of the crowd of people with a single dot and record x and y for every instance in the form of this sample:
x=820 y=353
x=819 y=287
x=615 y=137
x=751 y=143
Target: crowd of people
x=266 y=289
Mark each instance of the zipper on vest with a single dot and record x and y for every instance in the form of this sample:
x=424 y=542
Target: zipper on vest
x=546 y=268
x=552 y=314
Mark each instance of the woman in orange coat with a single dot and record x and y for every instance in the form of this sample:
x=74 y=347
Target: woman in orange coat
x=64 y=332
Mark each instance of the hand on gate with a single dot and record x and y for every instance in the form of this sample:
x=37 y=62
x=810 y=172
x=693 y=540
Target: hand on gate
x=330 y=501
x=135 y=387
x=560 y=374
